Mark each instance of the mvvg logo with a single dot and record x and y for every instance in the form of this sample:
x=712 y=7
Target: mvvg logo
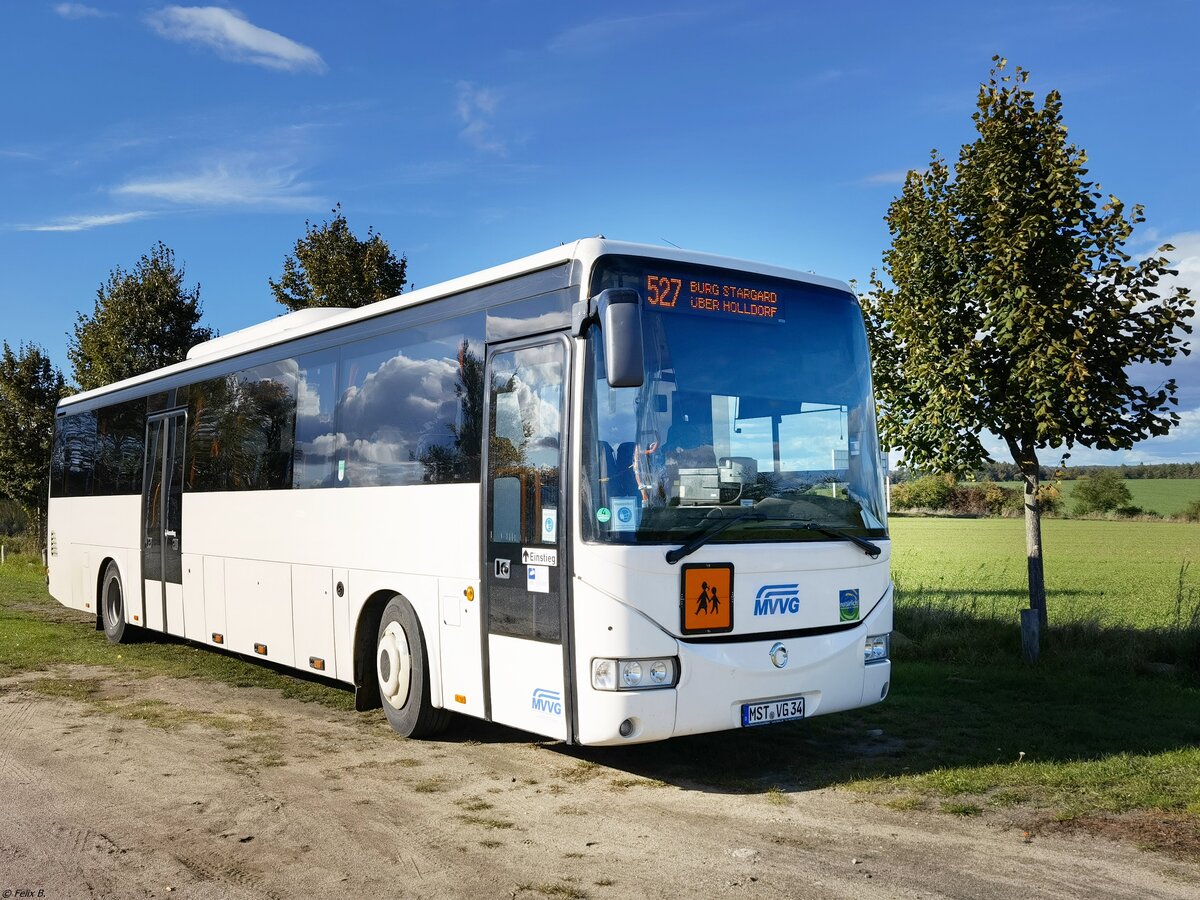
x=549 y=702
x=777 y=600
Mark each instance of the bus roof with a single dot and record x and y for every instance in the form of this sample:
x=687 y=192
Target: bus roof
x=311 y=321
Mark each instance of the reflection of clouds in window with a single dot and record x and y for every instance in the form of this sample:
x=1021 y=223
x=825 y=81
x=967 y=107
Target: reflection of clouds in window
x=308 y=399
x=403 y=392
x=402 y=407
x=316 y=399
x=327 y=444
x=540 y=407
x=501 y=327
x=528 y=413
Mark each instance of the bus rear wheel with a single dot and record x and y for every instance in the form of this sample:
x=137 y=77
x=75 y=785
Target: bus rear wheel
x=112 y=607
x=402 y=669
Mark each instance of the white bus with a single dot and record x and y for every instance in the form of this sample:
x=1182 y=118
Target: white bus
x=608 y=493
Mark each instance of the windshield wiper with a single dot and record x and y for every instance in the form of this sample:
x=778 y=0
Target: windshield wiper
x=872 y=550
x=708 y=532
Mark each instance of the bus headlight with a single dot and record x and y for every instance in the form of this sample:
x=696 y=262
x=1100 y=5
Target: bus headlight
x=634 y=674
x=631 y=673
x=877 y=648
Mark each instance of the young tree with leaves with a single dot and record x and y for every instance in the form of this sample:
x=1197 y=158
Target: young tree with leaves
x=142 y=320
x=30 y=388
x=1012 y=307
x=333 y=268
x=1102 y=492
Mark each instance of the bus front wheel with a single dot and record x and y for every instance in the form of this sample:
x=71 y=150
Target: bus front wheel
x=112 y=607
x=402 y=669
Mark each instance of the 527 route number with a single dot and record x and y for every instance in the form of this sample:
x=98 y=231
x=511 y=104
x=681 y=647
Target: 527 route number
x=662 y=291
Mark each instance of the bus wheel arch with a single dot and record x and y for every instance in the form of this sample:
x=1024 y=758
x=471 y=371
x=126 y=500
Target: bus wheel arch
x=366 y=633
x=401 y=671
x=98 y=590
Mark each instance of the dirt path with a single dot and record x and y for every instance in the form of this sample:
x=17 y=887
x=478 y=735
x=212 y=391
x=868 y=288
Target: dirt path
x=170 y=788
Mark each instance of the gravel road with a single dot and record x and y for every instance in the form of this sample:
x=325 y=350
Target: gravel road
x=118 y=786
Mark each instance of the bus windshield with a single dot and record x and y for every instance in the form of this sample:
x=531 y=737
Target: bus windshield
x=756 y=399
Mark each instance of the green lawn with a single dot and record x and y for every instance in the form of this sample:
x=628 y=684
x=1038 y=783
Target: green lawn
x=37 y=633
x=1165 y=496
x=1116 y=573
x=1107 y=724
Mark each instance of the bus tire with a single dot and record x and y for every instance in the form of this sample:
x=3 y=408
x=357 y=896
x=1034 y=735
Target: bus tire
x=402 y=671
x=112 y=607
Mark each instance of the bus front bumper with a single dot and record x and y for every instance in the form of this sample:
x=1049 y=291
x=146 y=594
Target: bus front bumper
x=717 y=679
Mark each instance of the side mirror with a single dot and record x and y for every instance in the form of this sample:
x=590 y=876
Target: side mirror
x=621 y=322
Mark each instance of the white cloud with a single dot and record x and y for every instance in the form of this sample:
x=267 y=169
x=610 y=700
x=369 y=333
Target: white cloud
x=234 y=38
x=86 y=223
x=476 y=108
x=1186 y=260
x=78 y=11
x=225 y=184
x=599 y=35
x=894 y=178
x=1182 y=444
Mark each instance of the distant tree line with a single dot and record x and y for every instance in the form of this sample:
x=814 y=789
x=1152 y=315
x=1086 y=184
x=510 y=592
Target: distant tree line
x=1004 y=471
x=1104 y=493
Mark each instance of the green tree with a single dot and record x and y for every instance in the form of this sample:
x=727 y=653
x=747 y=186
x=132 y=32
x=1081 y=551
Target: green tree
x=462 y=460
x=333 y=268
x=1102 y=492
x=142 y=320
x=30 y=388
x=1013 y=308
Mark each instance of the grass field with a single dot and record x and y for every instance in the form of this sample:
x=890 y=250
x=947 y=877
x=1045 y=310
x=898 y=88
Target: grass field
x=1105 y=729
x=1115 y=573
x=1165 y=496
x=1107 y=724
x=36 y=633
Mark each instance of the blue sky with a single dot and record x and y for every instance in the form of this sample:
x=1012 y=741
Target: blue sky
x=471 y=133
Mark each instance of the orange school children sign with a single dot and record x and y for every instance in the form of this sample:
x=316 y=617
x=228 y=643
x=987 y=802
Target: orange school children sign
x=706 y=598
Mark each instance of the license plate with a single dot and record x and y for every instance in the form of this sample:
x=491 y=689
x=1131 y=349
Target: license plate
x=772 y=711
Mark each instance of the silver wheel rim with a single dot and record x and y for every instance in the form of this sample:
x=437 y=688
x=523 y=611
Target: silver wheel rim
x=112 y=603
x=393 y=664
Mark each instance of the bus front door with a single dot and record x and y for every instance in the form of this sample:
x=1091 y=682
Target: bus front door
x=162 y=525
x=526 y=574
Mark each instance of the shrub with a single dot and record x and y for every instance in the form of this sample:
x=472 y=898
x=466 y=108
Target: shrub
x=1002 y=500
x=1191 y=512
x=927 y=492
x=969 y=500
x=13 y=519
x=1050 y=499
x=1101 y=493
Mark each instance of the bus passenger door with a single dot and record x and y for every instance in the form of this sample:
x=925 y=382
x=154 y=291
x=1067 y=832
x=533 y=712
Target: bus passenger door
x=526 y=576
x=162 y=522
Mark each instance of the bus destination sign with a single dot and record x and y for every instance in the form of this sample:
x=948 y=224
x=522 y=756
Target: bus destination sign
x=727 y=299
